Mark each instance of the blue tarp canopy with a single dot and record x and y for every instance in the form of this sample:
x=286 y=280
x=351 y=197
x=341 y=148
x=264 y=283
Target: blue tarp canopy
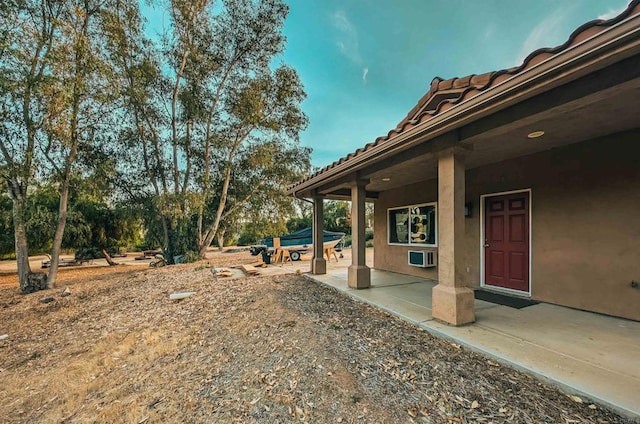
x=301 y=237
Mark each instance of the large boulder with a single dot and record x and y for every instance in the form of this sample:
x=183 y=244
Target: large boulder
x=35 y=282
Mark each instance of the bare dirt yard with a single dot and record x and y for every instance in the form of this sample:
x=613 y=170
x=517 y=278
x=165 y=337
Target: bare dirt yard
x=254 y=349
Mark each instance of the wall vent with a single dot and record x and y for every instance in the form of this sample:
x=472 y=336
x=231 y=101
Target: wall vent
x=422 y=259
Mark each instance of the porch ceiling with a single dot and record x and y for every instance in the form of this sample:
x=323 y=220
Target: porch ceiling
x=498 y=138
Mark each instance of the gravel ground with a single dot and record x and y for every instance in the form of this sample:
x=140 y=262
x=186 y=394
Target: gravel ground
x=258 y=349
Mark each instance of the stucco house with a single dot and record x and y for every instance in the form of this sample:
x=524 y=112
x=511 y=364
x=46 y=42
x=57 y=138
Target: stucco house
x=524 y=181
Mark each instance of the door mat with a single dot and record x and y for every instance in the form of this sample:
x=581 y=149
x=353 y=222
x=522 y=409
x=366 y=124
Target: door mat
x=501 y=299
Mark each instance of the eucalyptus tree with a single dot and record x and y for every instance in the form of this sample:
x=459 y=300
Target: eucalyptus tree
x=212 y=122
x=253 y=152
x=29 y=29
x=146 y=154
x=54 y=100
x=79 y=104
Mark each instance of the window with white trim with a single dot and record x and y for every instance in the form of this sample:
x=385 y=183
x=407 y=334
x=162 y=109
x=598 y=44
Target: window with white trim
x=413 y=225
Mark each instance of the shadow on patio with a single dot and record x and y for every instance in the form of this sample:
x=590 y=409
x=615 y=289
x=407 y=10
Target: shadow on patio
x=592 y=355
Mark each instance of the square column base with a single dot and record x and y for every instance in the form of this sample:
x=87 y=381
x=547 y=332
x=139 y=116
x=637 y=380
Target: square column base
x=453 y=305
x=359 y=277
x=318 y=266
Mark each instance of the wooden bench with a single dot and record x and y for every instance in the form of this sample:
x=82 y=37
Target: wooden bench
x=250 y=270
x=279 y=254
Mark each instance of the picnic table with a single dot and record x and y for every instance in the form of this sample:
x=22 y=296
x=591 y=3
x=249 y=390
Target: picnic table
x=148 y=254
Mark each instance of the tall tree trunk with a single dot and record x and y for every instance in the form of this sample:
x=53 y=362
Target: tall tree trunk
x=108 y=258
x=213 y=228
x=57 y=239
x=22 y=248
x=165 y=230
x=79 y=76
x=20 y=174
x=174 y=122
x=207 y=148
x=221 y=239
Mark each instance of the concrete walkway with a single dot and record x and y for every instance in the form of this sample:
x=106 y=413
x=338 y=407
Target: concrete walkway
x=594 y=356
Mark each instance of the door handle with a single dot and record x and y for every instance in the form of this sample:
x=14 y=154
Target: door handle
x=486 y=245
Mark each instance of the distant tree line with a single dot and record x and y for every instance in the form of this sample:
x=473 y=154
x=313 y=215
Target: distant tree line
x=107 y=133
x=92 y=224
x=337 y=217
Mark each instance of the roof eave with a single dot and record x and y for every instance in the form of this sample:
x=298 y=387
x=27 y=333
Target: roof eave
x=621 y=40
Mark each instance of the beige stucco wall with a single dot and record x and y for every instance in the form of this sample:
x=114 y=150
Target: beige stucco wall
x=585 y=201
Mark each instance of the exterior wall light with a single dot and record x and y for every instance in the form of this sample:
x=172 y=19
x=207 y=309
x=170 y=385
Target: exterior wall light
x=386 y=179
x=535 y=134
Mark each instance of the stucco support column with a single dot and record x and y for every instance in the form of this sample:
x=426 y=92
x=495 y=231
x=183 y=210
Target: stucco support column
x=359 y=276
x=318 y=263
x=452 y=301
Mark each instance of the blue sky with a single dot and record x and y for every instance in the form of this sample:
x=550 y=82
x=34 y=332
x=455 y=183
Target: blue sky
x=366 y=63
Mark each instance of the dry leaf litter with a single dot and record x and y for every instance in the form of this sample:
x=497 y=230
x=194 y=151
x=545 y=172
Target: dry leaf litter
x=252 y=349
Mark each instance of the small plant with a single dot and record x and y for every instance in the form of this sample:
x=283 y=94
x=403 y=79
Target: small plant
x=368 y=234
x=202 y=266
x=191 y=256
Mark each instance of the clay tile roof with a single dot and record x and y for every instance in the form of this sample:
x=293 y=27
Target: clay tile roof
x=444 y=94
x=450 y=90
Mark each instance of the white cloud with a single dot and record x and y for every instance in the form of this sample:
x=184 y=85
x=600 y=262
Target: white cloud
x=347 y=37
x=544 y=34
x=612 y=13
x=553 y=30
x=365 y=72
x=488 y=32
x=341 y=21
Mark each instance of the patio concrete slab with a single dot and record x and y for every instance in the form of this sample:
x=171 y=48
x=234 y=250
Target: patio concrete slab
x=572 y=372
x=594 y=356
x=593 y=337
x=402 y=301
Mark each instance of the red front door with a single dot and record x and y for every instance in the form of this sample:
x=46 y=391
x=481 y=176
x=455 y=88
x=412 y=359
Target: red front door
x=506 y=244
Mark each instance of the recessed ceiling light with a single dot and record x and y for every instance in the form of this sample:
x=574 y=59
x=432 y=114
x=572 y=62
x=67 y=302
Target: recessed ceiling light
x=386 y=179
x=535 y=134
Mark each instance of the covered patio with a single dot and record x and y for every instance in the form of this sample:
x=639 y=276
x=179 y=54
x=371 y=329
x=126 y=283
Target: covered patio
x=521 y=181
x=594 y=356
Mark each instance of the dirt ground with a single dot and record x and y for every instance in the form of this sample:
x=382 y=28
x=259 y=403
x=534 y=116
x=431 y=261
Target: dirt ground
x=260 y=349
x=96 y=267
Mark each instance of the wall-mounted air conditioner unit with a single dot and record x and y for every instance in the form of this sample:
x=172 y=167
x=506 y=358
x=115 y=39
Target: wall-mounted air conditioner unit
x=422 y=259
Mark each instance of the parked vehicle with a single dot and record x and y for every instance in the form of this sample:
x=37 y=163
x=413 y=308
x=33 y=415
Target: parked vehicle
x=298 y=242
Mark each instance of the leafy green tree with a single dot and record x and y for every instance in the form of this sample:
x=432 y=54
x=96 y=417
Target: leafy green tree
x=55 y=98
x=78 y=103
x=7 y=241
x=337 y=216
x=93 y=223
x=27 y=35
x=262 y=227
x=301 y=218
x=41 y=216
x=97 y=226
x=212 y=123
x=208 y=121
